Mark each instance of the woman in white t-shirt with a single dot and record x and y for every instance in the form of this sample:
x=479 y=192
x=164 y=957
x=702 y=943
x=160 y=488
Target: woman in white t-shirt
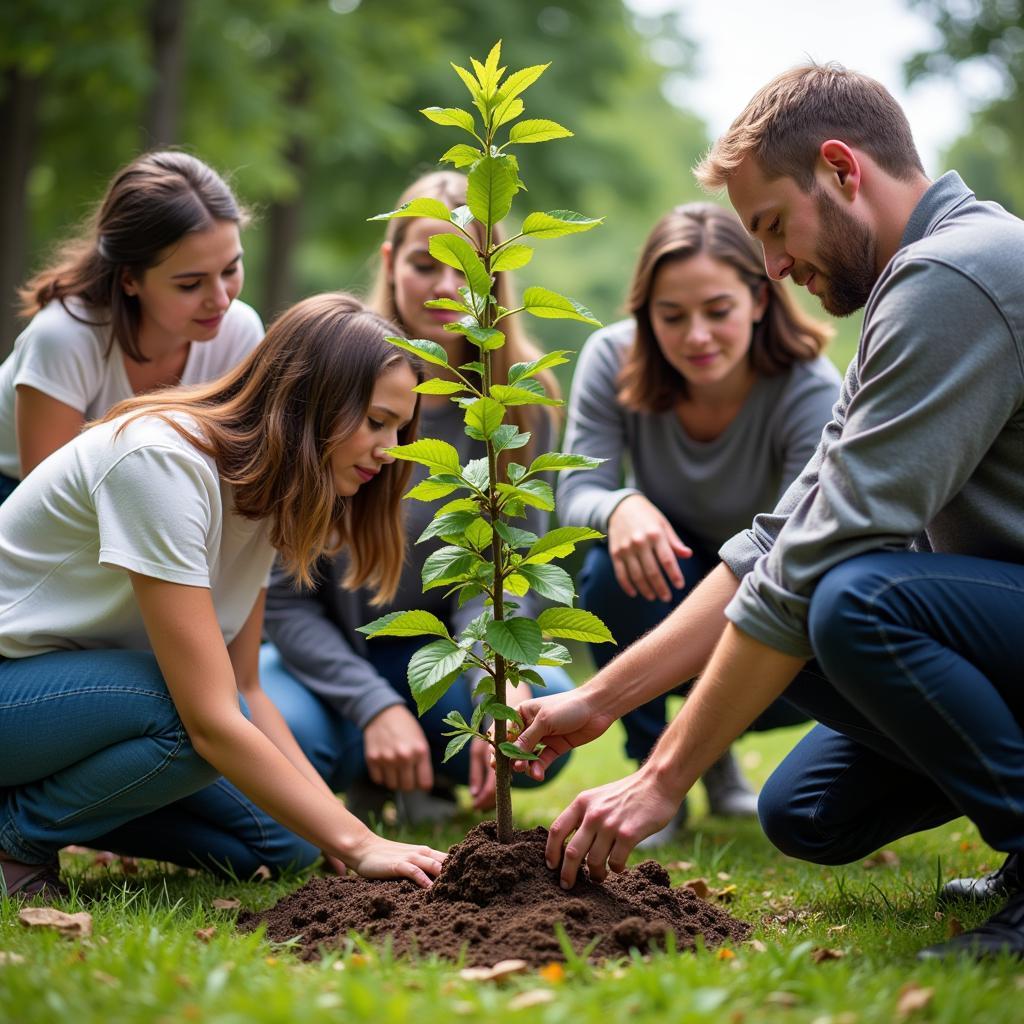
x=144 y=299
x=133 y=566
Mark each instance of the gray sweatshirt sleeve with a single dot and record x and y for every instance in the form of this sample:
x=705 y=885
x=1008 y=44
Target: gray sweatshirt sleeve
x=939 y=378
x=596 y=427
x=316 y=650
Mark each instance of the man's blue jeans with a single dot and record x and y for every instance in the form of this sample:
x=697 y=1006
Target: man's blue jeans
x=919 y=689
x=629 y=618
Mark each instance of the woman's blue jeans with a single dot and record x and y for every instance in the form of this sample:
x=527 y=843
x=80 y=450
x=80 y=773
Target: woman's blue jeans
x=919 y=689
x=92 y=751
x=629 y=618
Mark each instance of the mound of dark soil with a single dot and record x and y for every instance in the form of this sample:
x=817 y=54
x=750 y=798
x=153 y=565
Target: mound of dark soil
x=498 y=902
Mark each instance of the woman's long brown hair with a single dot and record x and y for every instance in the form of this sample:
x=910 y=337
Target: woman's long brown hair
x=648 y=382
x=272 y=423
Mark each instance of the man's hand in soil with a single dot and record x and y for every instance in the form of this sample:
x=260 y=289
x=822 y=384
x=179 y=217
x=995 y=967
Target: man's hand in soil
x=560 y=721
x=397 y=751
x=375 y=857
x=608 y=822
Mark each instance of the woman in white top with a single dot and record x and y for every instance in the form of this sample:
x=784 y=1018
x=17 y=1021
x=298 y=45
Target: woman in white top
x=133 y=566
x=145 y=298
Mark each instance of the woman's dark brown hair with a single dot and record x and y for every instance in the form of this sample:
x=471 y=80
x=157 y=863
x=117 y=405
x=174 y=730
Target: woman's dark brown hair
x=273 y=423
x=785 y=335
x=150 y=205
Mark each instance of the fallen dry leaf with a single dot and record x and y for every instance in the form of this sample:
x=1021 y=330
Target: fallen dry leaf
x=679 y=865
x=462 y=1008
x=912 y=997
x=724 y=876
x=724 y=894
x=837 y=928
x=954 y=927
x=757 y=946
x=532 y=997
x=884 y=858
x=10 y=958
x=553 y=972
x=74 y=926
x=499 y=972
x=820 y=954
x=262 y=873
x=783 y=999
x=106 y=979
x=222 y=904
x=699 y=886
x=205 y=934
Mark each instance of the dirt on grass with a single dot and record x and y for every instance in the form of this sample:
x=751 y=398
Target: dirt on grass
x=498 y=902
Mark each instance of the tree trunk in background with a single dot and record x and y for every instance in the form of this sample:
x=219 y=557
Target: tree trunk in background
x=166 y=22
x=17 y=129
x=283 y=220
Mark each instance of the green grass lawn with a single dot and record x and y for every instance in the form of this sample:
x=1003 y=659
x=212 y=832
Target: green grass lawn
x=145 y=963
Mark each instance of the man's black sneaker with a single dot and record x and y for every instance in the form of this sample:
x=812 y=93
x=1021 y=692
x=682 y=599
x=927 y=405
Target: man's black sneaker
x=997 y=885
x=1002 y=933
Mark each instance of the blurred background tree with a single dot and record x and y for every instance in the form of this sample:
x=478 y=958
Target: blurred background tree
x=311 y=107
x=991 y=33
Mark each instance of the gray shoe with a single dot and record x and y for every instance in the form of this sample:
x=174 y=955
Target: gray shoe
x=667 y=835
x=418 y=807
x=729 y=794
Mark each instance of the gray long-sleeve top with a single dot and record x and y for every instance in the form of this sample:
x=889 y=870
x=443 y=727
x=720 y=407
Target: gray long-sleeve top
x=708 y=489
x=927 y=444
x=315 y=630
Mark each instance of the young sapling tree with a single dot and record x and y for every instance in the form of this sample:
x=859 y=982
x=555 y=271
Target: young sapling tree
x=485 y=554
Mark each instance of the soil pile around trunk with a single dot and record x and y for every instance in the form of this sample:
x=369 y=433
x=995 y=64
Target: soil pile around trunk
x=498 y=902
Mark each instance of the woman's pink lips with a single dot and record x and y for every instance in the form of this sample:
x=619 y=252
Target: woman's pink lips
x=702 y=358
x=366 y=474
x=213 y=321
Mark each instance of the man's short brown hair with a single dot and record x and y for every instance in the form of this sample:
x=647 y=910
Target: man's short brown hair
x=788 y=119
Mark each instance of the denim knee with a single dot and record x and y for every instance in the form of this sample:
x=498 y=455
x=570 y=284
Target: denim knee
x=791 y=828
x=842 y=605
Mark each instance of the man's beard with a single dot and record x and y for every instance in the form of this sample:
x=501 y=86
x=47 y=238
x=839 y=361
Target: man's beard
x=847 y=258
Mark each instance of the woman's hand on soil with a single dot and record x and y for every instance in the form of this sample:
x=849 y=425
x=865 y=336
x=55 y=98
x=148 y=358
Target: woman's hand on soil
x=560 y=721
x=397 y=752
x=645 y=549
x=375 y=857
x=608 y=822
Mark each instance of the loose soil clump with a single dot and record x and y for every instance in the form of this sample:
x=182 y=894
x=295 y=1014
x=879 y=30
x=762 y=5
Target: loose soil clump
x=498 y=902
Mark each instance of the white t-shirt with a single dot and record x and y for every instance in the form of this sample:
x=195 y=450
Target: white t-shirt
x=68 y=360
x=146 y=500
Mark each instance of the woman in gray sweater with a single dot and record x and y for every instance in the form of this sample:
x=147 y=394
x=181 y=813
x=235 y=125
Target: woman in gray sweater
x=705 y=404
x=347 y=699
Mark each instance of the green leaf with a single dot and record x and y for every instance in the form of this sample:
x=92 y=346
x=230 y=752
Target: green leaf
x=537 y=130
x=549 y=305
x=506 y=110
x=516 y=639
x=438 y=386
x=485 y=416
x=520 y=371
x=556 y=223
x=448 y=524
x=492 y=186
x=477 y=629
x=498 y=710
x=514 y=537
x=562 y=460
x=477 y=473
x=430 y=452
x=486 y=338
x=559 y=542
x=535 y=493
x=549 y=581
x=470 y=82
x=485 y=687
x=513 y=753
x=527 y=675
x=446 y=565
x=462 y=216
x=431 y=489
x=468 y=592
x=479 y=533
x=520 y=396
x=455 y=745
x=459 y=505
x=511 y=257
x=554 y=654
x=519 y=81
x=474 y=367
x=455 y=720
x=516 y=472
x=574 y=624
x=458 y=307
x=432 y=669
x=412 y=623
x=433 y=208
x=458 y=253
x=462 y=155
x=517 y=585
x=453 y=117
x=428 y=351
x=508 y=437
x=490 y=73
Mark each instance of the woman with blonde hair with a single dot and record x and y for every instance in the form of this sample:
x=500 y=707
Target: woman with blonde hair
x=705 y=405
x=135 y=562
x=338 y=681
x=144 y=298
